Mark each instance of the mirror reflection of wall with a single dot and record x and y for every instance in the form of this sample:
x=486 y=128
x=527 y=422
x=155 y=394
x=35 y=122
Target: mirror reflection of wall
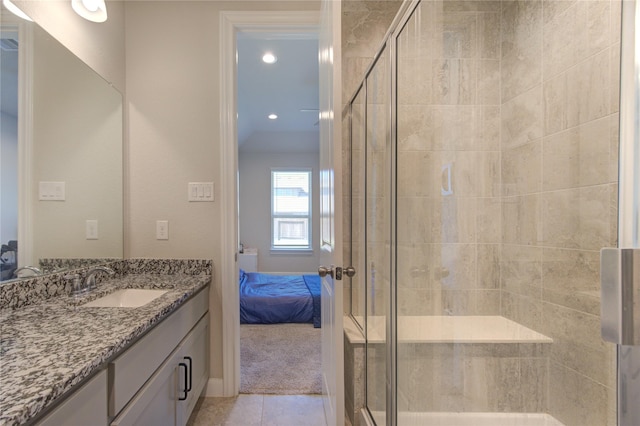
x=69 y=208
x=8 y=151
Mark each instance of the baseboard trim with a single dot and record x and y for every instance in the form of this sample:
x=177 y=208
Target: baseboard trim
x=214 y=388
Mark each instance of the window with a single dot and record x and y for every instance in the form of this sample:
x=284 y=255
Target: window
x=291 y=209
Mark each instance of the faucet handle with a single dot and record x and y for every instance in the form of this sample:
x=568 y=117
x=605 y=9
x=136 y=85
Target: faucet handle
x=76 y=282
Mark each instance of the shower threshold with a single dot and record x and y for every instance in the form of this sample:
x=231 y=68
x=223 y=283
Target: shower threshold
x=470 y=419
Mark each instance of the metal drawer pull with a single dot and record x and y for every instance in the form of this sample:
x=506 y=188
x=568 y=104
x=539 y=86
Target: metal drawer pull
x=188 y=358
x=186 y=392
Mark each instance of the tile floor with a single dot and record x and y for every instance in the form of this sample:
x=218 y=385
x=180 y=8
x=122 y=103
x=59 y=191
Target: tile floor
x=259 y=410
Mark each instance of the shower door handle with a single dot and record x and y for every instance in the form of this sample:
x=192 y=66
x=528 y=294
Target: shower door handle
x=620 y=293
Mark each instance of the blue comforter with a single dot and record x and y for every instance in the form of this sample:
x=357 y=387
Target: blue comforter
x=273 y=299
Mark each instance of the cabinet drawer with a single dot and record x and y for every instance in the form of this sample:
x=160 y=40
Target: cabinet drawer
x=132 y=369
x=86 y=406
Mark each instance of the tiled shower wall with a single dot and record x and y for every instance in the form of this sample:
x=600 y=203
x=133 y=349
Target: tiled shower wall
x=559 y=104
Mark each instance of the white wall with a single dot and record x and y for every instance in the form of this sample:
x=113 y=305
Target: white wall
x=172 y=68
x=100 y=45
x=9 y=178
x=255 y=208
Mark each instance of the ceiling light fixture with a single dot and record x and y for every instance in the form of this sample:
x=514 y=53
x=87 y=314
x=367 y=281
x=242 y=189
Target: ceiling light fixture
x=15 y=10
x=269 y=58
x=272 y=116
x=91 y=10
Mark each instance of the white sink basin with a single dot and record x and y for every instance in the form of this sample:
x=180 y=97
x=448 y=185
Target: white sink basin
x=127 y=298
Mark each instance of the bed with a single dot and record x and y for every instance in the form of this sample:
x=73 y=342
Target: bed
x=275 y=299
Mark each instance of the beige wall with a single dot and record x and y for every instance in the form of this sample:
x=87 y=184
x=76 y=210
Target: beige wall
x=173 y=112
x=255 y=209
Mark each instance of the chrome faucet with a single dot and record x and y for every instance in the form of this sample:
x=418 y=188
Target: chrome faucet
x=79 y=287
x=90 y=278
x=33 y=269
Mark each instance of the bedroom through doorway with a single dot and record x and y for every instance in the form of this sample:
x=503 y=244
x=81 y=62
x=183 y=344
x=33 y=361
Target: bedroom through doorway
x=278 y=212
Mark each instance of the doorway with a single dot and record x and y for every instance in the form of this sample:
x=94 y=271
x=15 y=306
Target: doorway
x=233 y=24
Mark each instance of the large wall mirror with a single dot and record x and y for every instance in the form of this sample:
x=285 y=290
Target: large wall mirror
x=61 y=157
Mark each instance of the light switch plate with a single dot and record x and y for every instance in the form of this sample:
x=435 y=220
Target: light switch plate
x=200 y=191
x=162 y=230
x=51 y=191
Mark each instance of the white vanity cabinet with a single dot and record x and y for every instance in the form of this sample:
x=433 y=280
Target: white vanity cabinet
x=158 y=380
x=87 y=406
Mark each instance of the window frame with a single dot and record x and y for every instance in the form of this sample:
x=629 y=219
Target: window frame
x=273 y=216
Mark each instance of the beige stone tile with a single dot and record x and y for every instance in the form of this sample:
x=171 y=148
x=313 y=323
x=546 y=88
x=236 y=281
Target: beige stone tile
x=415 y=129
x=414 y=81
x=471 y=6
x=577 y=157
x=521 y=220
x=243 y=410
x=488 y=128
x=487 y=302
x=415 y=301
x=293 y=410
x=453 y=81
x=521 y=269
x=590 y=361
x=488 y=266
x=522 y=119
x=459 y=35
x=425 y=230
x=488 y=220
x=459 y=263
x=458 y=220
x=521 y=24
x=522 y=169
x=488 y=82
x=577 y=218
x=576 y=33
x=576 y=400
x=419 y=173
x=534 y=382
x=579 y=95
x=554 y=8
x=489 y=34
x=521 y=69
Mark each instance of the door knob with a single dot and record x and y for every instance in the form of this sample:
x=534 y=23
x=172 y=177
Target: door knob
x=323 y=271
x=350 y=271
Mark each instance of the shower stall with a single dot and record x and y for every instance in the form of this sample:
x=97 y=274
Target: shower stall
x=483 y=152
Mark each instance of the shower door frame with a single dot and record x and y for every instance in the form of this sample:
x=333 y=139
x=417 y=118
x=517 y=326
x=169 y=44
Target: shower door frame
x=628 y=365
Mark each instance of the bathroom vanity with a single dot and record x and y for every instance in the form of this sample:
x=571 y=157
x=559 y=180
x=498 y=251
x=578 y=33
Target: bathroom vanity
x=65 y=363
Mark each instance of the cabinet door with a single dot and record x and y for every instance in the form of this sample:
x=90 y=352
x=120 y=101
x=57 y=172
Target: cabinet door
x=155 y=404
x=86 y=406
x=194 y=353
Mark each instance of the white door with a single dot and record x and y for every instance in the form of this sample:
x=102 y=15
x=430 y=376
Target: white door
x=330 y=213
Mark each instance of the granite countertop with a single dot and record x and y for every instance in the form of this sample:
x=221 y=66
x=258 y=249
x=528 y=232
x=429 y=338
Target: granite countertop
x=47 y=348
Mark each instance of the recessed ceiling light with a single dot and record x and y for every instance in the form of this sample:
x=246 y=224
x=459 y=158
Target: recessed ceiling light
x=272 y=116
x=269 y=58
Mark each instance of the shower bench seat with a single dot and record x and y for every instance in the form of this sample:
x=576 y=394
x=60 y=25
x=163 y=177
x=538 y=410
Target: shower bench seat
x=481 y=364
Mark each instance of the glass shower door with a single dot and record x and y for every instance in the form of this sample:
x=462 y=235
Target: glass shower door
x=506 y=187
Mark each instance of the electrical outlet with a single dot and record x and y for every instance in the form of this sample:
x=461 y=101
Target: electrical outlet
x=92 y=229
x=162 y=230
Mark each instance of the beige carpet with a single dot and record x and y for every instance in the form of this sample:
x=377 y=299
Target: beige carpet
x=281 y=359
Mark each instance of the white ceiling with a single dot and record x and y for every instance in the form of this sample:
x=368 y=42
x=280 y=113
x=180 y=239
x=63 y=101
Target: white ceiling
x=288 y=88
